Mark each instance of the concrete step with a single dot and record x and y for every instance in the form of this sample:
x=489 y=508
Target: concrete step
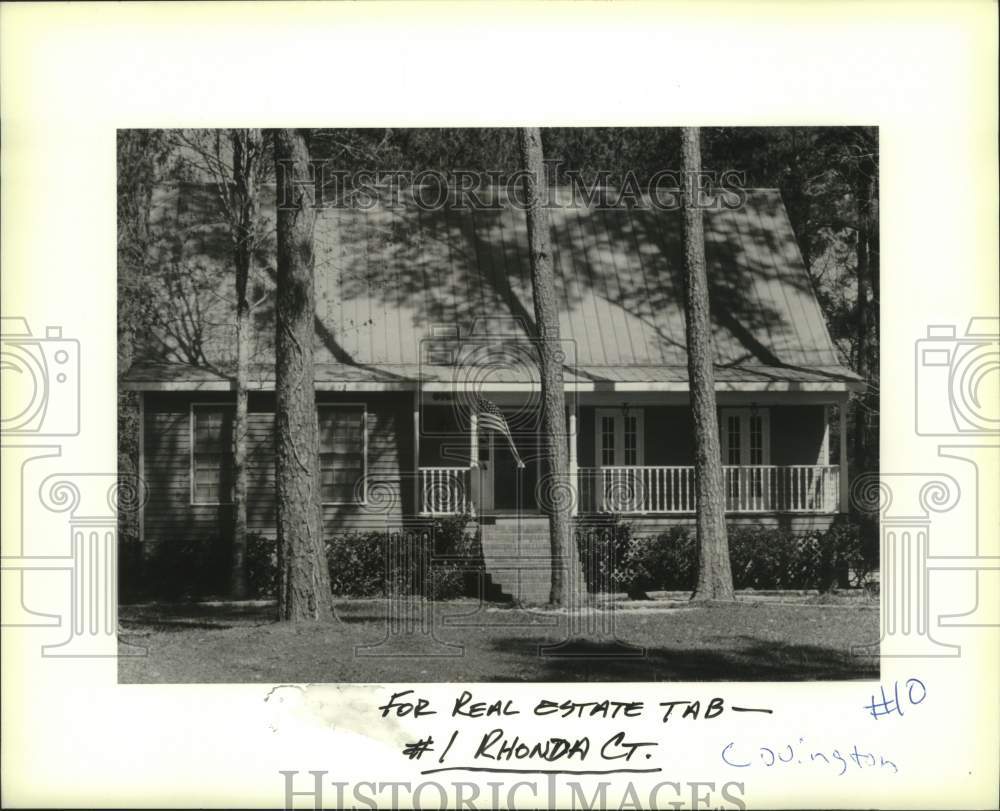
x=517 y=554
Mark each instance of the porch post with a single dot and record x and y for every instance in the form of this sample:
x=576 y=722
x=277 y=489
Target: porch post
x=843 y=457
x=824 y=448
x=417 y=506
x=475 y=480
x=473 y=439
x=573 y=469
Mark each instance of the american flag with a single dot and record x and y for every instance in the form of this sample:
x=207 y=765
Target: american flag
x=491 y=418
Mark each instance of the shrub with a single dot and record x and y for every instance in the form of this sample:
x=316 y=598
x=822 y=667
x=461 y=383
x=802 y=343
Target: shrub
x=187 y=568
x=366 y=564
x=855 y=554
x=131 y=572
x=357 y=563
x=595 y=546
x=774 y=558
x=363 y=564
x=667 y=561
x=262 y=565
x=760 y=557
x=459 y=554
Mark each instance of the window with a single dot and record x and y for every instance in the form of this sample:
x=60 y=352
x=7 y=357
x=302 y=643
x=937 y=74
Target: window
x=211 y=454
x=631 y=440
x=733 y=440
x=745 y=436
x=343 y=447
x=756 y=439
x=619 y=437
x=745 y=439
x=607 y=440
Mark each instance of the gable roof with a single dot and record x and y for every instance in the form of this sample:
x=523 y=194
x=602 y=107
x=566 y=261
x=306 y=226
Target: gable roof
x=391 y=277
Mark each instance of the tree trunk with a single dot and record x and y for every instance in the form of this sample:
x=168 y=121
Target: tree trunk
x=863 y=404
x=715 y=579
x=304 y=581
x=874 y=370
x=555 y=493
x=238 y=584
x=246 y=149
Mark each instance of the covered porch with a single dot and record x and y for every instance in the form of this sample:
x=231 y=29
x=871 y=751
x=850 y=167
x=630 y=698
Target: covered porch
x=632 y=454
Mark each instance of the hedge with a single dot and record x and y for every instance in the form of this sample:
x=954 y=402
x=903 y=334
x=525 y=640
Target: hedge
x=364 y=564
x=614 y=559
x=761 y=558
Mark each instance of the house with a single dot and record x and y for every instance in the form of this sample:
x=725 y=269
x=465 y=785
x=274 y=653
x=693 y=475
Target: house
x=420 y=311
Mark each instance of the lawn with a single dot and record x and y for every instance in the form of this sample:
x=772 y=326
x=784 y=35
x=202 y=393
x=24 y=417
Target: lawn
x=752 y=640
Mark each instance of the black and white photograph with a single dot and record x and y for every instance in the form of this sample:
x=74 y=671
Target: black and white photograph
x=509 y=405
x=499 y=404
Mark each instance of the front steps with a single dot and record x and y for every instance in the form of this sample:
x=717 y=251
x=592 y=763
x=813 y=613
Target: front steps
x=517 y=554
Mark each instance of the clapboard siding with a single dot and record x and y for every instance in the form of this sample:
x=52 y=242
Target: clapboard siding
x=169 y=513
x=796 y=438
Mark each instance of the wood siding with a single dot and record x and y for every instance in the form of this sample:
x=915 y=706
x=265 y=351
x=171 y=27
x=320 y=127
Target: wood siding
x=796 y=438
x=169 y=513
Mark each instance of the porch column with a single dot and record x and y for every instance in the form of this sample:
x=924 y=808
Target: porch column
x=417 y=484
x=573 y=468
x=824 y=448
x=843 y=457
x=473 y=439
x=475 y=480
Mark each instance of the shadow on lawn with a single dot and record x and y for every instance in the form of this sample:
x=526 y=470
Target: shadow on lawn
x=199 y=616
x=748 y=660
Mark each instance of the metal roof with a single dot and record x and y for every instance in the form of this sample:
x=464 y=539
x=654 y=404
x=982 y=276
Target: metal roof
x=396 y=284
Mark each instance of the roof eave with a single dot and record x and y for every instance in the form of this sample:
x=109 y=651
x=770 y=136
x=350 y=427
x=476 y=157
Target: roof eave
x=831 y=386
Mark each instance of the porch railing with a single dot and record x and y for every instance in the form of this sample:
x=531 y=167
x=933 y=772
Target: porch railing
x=751 y=489
x=661 y=490
x=445 y=490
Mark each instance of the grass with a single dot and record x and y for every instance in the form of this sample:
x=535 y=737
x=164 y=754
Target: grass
x=746 y=641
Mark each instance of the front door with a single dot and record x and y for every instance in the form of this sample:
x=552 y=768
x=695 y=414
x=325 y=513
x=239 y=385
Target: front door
x=485 y=484
x=514 y=488
x=744 y=438
x=619 y=444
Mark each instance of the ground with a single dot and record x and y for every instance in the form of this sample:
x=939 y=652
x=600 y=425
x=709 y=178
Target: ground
x=752 y=640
